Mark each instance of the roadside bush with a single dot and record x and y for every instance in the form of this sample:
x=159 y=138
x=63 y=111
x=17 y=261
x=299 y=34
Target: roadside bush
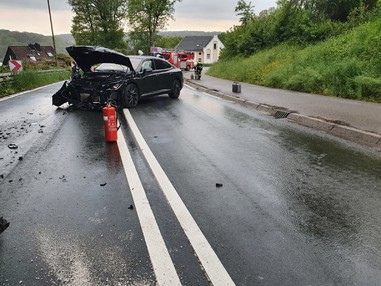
x=339 y=79
x=4 y=69
x=29 y=80
x=370 y=88
x=347 y=66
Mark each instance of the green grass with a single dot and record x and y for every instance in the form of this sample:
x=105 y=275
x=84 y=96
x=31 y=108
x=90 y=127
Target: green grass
x=30 y=80
x=346 y=66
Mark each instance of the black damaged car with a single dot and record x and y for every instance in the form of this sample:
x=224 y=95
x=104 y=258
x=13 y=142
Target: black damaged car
x=101 y=75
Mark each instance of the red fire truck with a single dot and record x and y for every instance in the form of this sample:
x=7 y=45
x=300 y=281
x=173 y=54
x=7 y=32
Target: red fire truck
x=182 y=60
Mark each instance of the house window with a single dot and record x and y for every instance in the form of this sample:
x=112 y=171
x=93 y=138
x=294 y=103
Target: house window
x=199 y=53
x=208 y=56
x=215 y=46
x=33 y=58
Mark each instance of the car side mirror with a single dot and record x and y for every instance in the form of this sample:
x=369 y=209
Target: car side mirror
x=147 y=70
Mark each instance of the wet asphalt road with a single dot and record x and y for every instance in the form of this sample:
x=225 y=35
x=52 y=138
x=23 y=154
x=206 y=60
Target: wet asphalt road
x=293 y=207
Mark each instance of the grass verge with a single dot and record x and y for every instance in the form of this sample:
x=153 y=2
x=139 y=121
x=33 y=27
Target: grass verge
x=28 y=80
x=346 y=66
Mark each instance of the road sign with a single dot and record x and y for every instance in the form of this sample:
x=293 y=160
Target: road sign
x=15 y=66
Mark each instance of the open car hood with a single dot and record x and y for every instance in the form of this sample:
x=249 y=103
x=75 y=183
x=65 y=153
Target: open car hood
x=87 y=56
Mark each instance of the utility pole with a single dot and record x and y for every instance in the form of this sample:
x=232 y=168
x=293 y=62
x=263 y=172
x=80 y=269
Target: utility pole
x=54 y=42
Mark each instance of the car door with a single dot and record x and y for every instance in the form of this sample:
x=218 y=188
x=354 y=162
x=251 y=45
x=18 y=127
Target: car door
x=149 y=77
x=163 y=70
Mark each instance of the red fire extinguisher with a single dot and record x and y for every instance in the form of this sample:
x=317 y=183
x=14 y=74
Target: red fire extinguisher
x=110 y=123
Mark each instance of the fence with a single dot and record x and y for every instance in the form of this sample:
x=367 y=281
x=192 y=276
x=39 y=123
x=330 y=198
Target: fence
x=5 y=76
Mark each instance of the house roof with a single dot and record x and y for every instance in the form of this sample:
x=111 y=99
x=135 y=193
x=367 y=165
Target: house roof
x=193 y=43
x=33 y=52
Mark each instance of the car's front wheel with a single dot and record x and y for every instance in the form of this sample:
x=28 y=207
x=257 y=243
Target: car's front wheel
x=130 y=95
x=175 y=90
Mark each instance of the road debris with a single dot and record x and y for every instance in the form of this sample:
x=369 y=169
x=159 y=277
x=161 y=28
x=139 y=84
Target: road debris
x=219 y=185
x=104 y=184
x=3 y=224
x=13 y=146
x=63 y=178
x=131 y=207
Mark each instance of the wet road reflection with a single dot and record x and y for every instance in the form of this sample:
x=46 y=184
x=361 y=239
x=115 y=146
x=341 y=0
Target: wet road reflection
x=289 y=193
x=332 y=191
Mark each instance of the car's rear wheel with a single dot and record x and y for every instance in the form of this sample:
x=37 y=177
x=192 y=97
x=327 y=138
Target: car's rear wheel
x=130 y=95
x=175 y=90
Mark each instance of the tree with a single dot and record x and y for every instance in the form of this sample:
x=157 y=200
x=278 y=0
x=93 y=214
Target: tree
x=137 y=41
x=147 y=17
x=168 y=42
x=338 y=10
x=98 y=22
x=245 y=11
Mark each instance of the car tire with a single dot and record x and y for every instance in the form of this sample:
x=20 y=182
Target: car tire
x=130 y=95
x=175 y=89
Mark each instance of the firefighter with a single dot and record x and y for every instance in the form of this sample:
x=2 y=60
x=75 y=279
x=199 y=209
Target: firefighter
x=198 y=70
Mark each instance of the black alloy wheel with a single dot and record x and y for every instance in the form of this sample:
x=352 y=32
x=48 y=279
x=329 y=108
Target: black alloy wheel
x=175 y=90
x=130 y=95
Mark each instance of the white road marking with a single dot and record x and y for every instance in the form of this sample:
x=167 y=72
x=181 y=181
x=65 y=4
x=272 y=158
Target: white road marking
x=24 y=92
x=208 y=258
x=188 y=86
x=164 y=269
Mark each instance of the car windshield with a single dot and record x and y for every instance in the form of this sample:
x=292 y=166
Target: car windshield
x=135 y=62
x=111 y=67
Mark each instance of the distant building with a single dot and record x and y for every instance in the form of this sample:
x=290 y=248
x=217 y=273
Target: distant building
x=206 y=49
x=32 y=53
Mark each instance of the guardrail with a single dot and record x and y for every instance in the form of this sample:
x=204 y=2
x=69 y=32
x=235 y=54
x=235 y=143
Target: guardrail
x=9 y=75
x=5 y=76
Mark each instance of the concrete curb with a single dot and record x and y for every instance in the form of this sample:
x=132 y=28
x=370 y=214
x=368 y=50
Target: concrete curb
x=345 y=132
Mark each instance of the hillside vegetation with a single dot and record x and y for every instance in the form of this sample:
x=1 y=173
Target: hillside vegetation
x=166 y=39
x=347 y=64
x=14 y=38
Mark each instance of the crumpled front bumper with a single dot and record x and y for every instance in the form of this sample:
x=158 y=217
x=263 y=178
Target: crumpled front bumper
x=61 y=96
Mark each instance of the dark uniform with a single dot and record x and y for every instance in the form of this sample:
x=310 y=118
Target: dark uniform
x=198 y=70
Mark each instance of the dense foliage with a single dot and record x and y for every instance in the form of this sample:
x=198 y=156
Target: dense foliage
x=318 y=46
x=348 y=65
x=98 y=22
x=102 y=23
x=167 y=42
x=146 y=18
x=300 y=22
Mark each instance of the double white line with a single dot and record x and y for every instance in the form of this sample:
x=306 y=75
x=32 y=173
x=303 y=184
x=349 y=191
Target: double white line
x=162 y=264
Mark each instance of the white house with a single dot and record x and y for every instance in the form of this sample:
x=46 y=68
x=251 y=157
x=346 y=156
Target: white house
x=206 y=49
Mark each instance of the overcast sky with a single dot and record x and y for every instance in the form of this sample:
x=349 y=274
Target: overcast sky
x=196 y=15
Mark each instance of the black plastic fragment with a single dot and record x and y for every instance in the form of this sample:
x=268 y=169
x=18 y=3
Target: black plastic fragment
x=13 y=146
